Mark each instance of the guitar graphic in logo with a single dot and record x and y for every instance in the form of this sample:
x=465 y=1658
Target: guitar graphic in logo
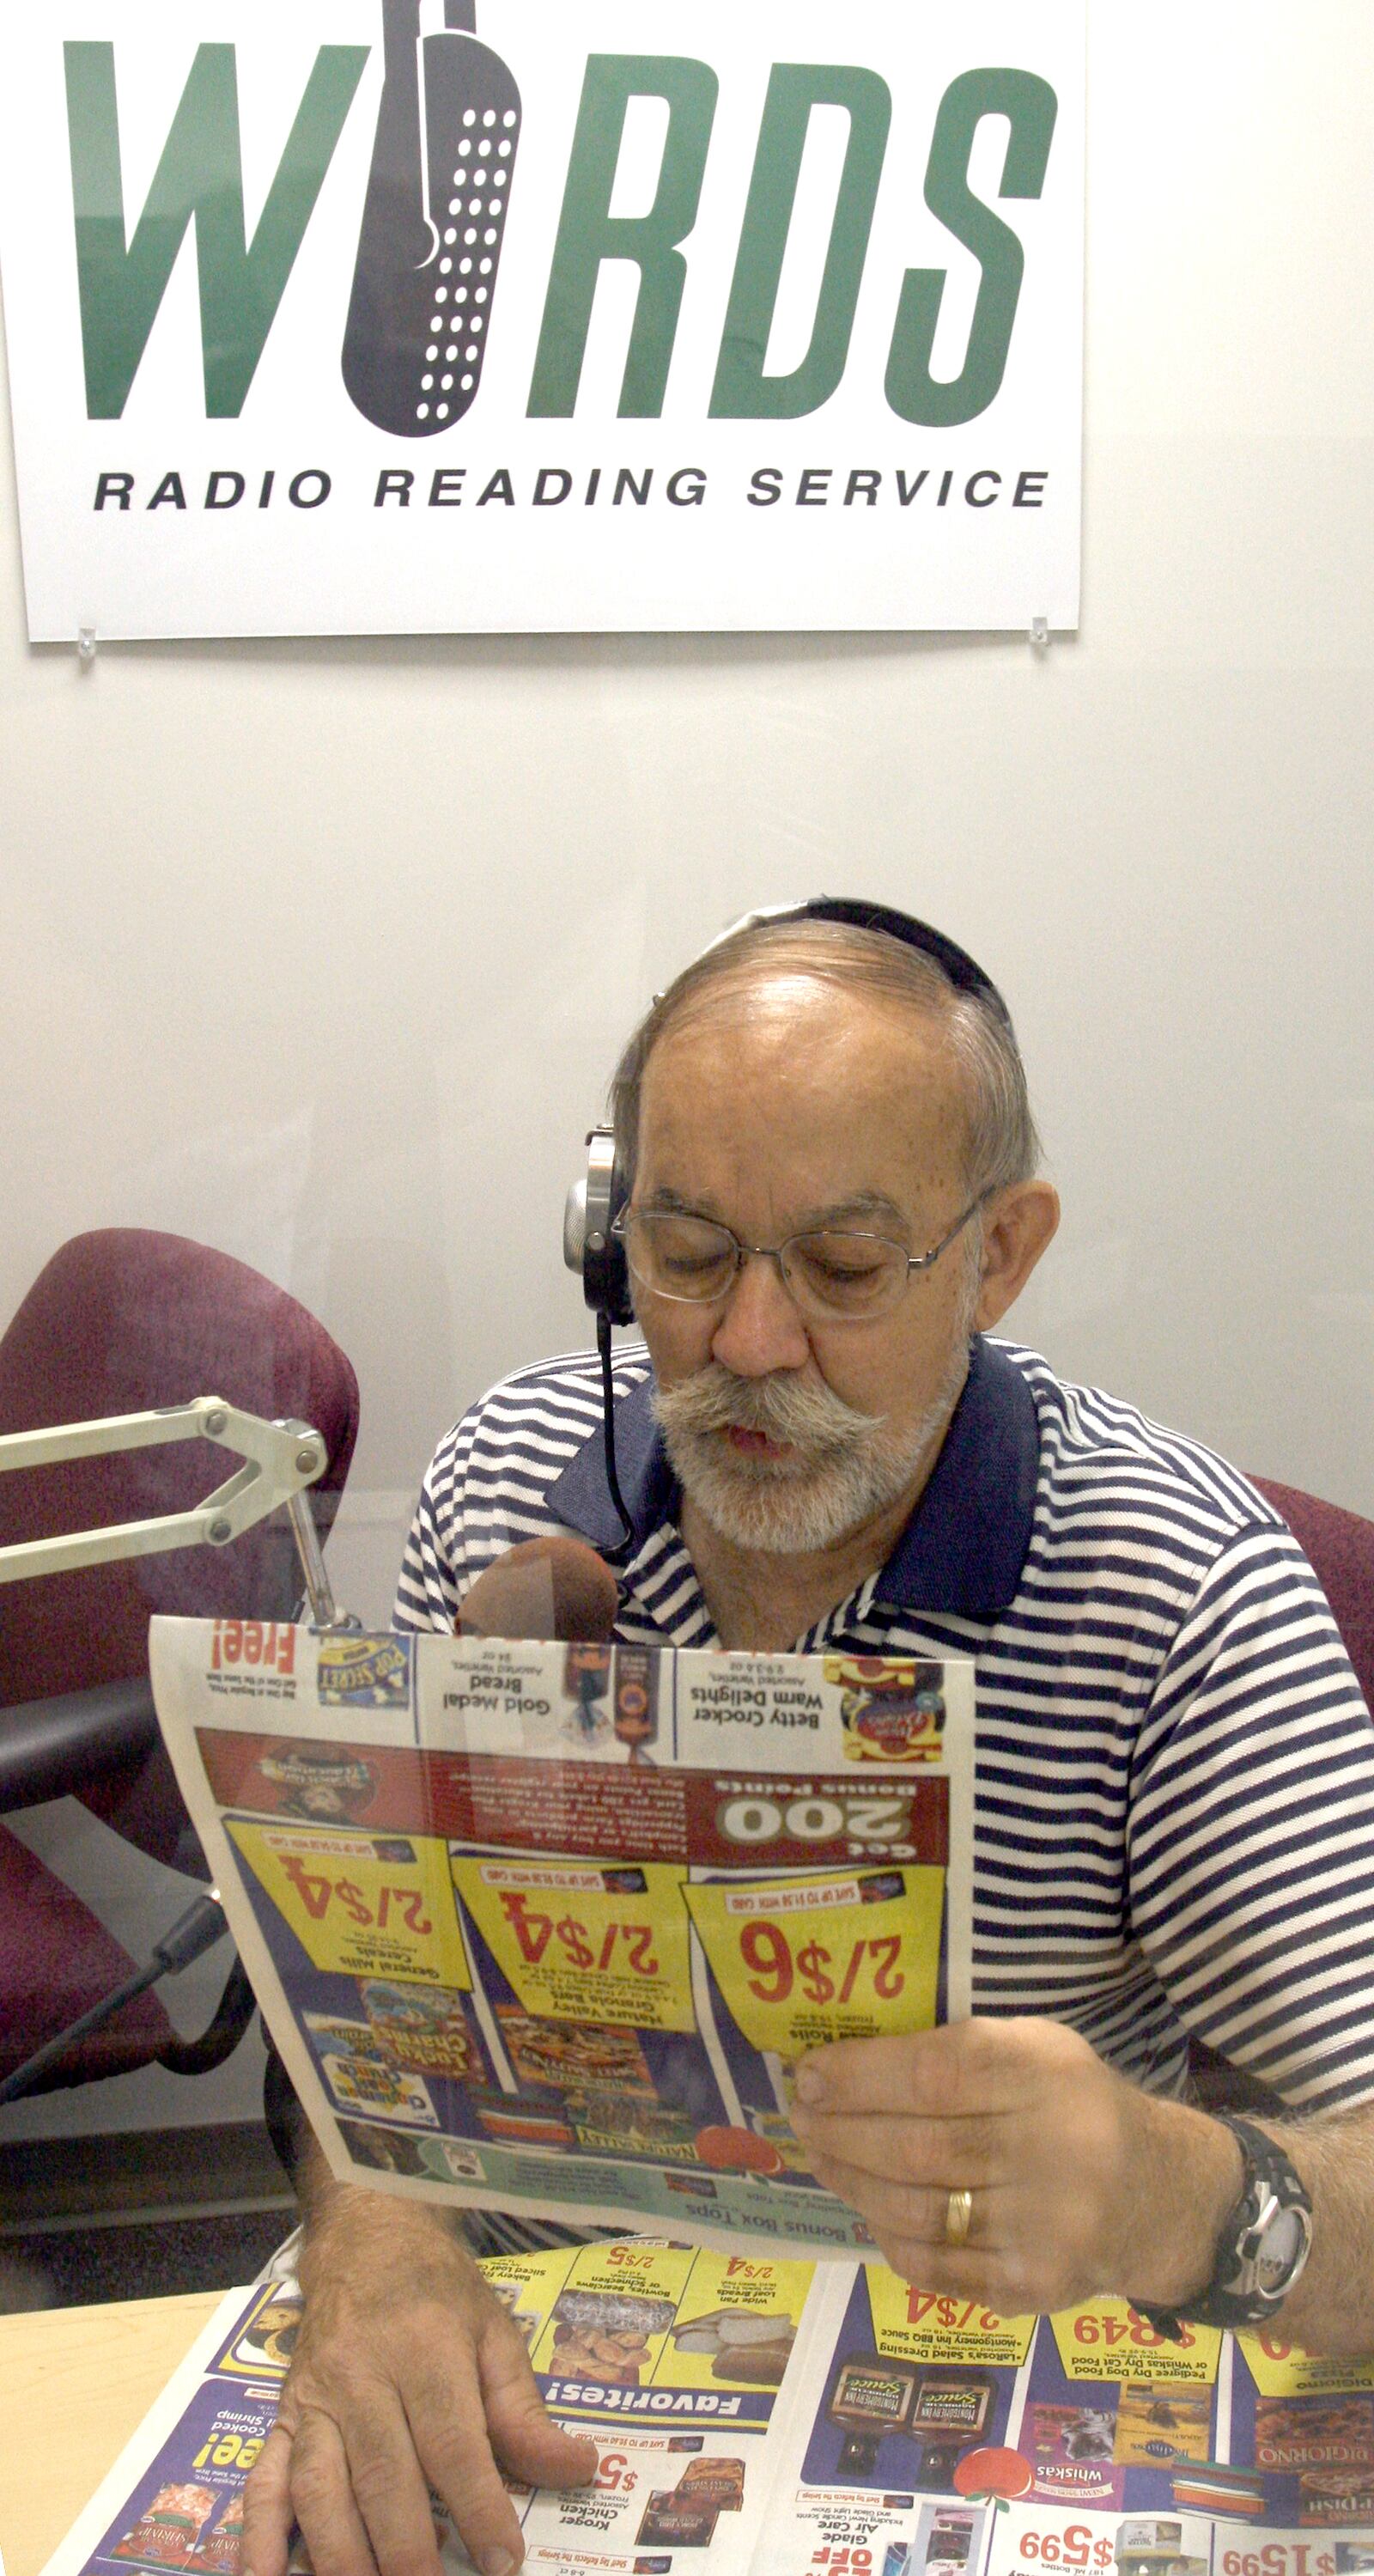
x=433 y=219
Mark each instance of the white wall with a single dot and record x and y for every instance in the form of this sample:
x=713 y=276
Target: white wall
x=322 y=951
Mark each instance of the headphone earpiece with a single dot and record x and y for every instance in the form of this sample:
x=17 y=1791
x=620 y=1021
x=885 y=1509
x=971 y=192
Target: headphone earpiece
x=589 y=1247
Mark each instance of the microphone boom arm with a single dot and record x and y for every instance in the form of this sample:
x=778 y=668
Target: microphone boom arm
x=280 y=1459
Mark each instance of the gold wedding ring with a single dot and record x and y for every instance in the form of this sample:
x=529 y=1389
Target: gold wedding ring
x=958 y=2217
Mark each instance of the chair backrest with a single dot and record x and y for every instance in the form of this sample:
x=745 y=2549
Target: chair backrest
x=118 y=1322
x=1339 y=1546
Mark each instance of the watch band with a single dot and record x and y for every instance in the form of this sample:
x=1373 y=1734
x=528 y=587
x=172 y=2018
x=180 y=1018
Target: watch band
x=1243 y=2289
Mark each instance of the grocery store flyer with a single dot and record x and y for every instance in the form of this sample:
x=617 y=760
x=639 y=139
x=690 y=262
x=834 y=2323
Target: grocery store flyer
x=676 y=2358
x=933 y=2438
x=174 y=2497
x=545 y=1928
x=820 y=2419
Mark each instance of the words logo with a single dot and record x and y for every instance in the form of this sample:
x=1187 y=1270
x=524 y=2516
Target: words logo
x=434 y=218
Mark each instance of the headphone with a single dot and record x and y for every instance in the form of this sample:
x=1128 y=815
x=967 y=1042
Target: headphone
x=589 y=1246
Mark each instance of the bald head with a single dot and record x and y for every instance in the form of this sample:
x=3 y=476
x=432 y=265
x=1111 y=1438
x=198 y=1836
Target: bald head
x=769 y=969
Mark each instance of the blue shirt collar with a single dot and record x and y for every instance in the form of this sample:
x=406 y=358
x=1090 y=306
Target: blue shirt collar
x=963 y=1548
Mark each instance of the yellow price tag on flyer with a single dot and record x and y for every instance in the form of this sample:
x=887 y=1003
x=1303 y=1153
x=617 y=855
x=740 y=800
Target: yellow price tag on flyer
x=611 y=2316
x=528 y=2284
x=1106 y=2339
x=583 y=1943
x=803 y=1960
x=922 y=2325
x=1280 y=2368
x=736 y=2323
x=362 y=1904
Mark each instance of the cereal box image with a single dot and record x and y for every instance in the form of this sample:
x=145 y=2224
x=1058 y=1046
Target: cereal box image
x=892 y=1710
x=423 y=2028
x=364 y=1672
x=364 y=2084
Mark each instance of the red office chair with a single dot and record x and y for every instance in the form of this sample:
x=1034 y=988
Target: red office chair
x=121 y=1322
x=1339 y=1546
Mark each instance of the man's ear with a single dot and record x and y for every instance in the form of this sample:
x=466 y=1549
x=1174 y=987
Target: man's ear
x=1017 y=1226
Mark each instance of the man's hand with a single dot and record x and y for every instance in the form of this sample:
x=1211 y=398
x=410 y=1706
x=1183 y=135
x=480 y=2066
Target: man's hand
x=1081 y=2183
x=408 y=2375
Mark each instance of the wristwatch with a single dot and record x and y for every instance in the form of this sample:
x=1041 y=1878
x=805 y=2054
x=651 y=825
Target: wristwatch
x=1262 y=2247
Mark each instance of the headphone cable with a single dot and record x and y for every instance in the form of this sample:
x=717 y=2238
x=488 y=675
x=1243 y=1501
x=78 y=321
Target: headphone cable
x=620 y=1554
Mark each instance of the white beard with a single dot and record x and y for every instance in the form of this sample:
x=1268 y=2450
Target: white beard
x=846 y=1468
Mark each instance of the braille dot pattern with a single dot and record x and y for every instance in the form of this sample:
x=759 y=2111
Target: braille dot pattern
x=478 y=158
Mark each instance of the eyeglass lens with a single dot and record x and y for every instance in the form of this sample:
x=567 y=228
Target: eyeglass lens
x=693 y=1260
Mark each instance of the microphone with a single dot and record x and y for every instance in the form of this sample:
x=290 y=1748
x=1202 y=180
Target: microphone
x=434 y=213
x=552 y=1587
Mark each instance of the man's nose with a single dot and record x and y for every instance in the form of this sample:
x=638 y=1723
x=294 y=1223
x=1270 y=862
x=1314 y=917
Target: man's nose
x=760 y=1329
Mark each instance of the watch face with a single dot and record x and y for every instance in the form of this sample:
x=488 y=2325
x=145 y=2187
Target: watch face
x=1285 y=2242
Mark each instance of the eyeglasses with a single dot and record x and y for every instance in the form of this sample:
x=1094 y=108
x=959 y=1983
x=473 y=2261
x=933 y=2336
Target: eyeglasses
x=833 y=1276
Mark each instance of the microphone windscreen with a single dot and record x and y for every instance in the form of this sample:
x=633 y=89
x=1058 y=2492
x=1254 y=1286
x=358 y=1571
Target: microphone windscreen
x=552 y=1587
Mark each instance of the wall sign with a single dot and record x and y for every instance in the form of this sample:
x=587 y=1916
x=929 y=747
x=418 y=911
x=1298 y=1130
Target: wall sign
x=371 y=316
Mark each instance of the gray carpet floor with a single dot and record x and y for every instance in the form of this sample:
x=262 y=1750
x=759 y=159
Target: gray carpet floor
x=74 y=2267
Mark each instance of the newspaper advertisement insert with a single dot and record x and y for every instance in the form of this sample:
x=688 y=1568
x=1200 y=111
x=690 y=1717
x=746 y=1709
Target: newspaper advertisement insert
x=546 y=1928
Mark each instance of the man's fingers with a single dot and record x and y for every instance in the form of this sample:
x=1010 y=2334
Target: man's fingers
x=992 y=2265
x=894 y=2208
x=267 y=2512
x=964 y=2069
x=939 y=2156
x=526 y=2439
x=910 y=2237
x=975 y=2282
x=449 y=2425
x=322 y=2502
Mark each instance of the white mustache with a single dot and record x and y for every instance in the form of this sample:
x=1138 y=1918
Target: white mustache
x=802 y=1416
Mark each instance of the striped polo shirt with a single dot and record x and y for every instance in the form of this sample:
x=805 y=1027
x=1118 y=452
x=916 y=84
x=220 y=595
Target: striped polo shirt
x=1174 y=1795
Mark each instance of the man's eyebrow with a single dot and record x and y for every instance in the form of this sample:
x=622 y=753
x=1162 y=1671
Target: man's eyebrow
x=861 y=1204
x=668 y=1202
x=862 y=1207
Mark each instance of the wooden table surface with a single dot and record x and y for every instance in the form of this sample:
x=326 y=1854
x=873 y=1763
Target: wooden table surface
x=75 y=2383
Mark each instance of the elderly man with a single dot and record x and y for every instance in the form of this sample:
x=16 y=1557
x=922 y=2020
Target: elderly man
x=832 y=1199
